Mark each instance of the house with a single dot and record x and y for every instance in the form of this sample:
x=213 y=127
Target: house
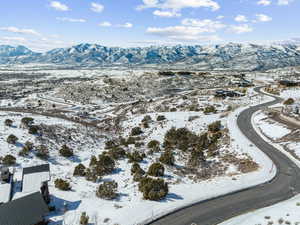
x=28 y=210
x=225 y=93
x=35 y=179
x=288 y=83
x=6 y=179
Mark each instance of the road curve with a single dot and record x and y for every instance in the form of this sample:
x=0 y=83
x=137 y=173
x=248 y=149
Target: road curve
x=285 y=185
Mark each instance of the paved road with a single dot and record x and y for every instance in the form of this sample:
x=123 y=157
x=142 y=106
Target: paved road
x=282 y=187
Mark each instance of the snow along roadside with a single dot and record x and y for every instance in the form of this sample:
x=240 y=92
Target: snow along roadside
x=224 y=186
x=274 y=210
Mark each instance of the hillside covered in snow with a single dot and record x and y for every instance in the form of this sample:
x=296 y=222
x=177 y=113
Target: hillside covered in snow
x=230 y=56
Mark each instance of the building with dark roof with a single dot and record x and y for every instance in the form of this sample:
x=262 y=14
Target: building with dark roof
x=28 y=210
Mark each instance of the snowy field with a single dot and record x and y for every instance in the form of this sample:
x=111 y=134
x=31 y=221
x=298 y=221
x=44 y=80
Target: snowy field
x=270 y=128
x=131 y=202
x=286 y=212
x=290 y=93
x=130 y=208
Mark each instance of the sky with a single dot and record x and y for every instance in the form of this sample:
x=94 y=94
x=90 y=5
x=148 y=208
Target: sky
x=42 y=25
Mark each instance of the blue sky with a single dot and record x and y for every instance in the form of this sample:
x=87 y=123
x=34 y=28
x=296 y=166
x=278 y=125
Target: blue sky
x=45 y=24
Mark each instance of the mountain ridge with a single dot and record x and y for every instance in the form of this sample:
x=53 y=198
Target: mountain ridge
x=223 y=56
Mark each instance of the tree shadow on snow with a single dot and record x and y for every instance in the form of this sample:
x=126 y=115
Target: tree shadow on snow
x=172 y=197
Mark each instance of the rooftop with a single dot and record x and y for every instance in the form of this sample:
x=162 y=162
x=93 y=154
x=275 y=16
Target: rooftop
x=25 y=215
x=34 y=176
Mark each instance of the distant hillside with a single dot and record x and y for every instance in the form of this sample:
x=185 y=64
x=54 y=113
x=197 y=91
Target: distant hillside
x=228 y=56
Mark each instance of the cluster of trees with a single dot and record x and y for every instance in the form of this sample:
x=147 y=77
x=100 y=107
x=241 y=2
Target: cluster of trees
x=98 y=167
x=289 y=101
x=62 y=184
x=153 y=189
x=8 y=160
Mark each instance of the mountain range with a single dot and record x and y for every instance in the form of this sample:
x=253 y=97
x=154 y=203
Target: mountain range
x=231 y=56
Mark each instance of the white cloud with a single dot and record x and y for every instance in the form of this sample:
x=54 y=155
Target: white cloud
x=182 y=33
x=168 y=14
x=105 y=24
x=241 y=18
x=179 y=4
x=125 y=25
x=17 y=39
x=189 y=30
x=59 y=6
x=207 y=25
x=263 y=18
x=96 y=7
x=264 y=2
x=284 y=2
x=220 y=17
x=72 y=20
x=20 y=31
x=239 y=29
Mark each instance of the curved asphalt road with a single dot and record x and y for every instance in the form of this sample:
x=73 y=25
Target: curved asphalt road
x=282 y=187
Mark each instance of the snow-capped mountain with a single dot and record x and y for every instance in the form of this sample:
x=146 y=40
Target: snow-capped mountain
x=227 y=56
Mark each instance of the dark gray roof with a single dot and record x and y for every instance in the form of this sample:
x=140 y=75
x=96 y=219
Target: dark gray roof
x=28 y=210
x=36 y=169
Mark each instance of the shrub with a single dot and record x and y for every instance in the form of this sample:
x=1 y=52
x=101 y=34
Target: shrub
x=42 y=152
x=215 y=137
x=210 y=109
x=12 y=139
x=27 y=121
x=147 y=119
x=153 y=189
x=138 y=175
x=84 y=219
x=105 y=165
x=289 y=101
x=132 y=140
x=107 y=190
x=65 y=151
x=196 y=159
x=9 y=160
x=139 y=144
x=91 y=175
x=136 y=131
x=110 y=144
x=156 y=170
x=145 y=125
x=79 y=170
x=93 y=160
x=117 y=153
x=62 y=185
x=167 y=158
x=8 y=122
x=160 y=118
x=153 y=144
x=215 y=126
x=136 y=168
x=33 y=129
x=181 y=138
x=24 y=151
x=194 y=108
x=212 y=150
x=136 y=157
x=28 y=146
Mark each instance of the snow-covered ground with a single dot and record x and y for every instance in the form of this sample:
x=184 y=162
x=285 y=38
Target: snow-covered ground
x=290 y=93
x=130 y=208
x=286 y=212
x=270 y=128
